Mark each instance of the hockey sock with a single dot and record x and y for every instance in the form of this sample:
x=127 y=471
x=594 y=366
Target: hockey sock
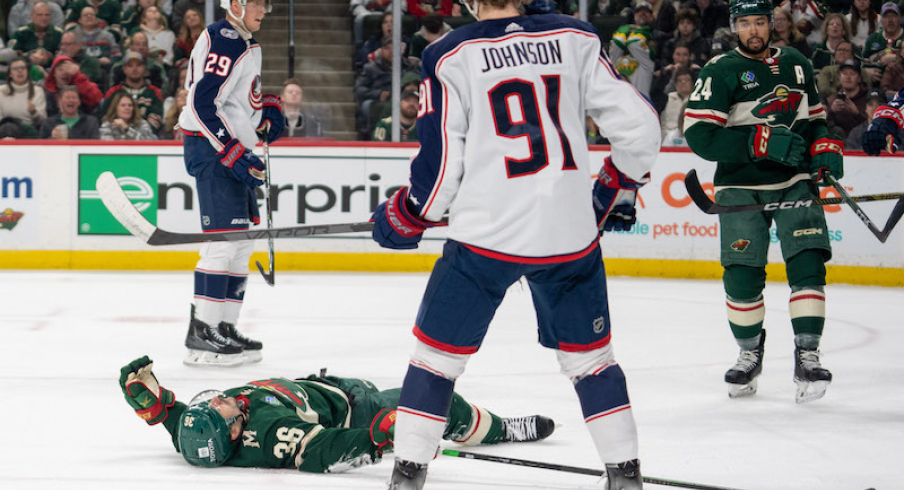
x=607 y=413
x=235 y=295
x=421 y=417
x=807 y=275
x=471 y=424
x=744 y=303
x=210 y=294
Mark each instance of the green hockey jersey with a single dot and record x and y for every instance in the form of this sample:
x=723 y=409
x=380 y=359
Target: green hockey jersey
x=733 y=94
x=302 y=423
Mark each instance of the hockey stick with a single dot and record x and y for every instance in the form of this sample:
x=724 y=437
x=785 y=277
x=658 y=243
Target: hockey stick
x=896 y=213
x=573 y=469
x=698 y=195
x=270 y=278
x=121 y=208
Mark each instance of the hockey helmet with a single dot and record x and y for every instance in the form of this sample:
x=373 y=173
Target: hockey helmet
x=224 y=4
x=203 y=434
x=743 y=8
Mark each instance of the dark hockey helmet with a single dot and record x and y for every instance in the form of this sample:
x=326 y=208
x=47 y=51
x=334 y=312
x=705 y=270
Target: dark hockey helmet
x=743 y=8
x=203 y=433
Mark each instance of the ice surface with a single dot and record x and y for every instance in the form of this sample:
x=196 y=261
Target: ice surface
x=66 y=334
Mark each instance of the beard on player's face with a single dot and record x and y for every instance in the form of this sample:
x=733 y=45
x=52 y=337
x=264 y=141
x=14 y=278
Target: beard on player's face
x=743 y=45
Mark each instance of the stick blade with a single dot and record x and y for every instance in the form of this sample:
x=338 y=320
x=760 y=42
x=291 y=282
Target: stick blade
x=696 y=193
x=119 y=205
x=270 y=278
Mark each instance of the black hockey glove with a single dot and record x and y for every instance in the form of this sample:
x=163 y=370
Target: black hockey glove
x=614 y=196
x=245 y=166
x=777 y=145
x=826 y=154
x=272 y=113
x=886 y=132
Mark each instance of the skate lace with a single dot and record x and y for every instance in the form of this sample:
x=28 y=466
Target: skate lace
x=521 y=429
x=234 y=333
x=747 y=360
x=809 y=359
x=217 y=336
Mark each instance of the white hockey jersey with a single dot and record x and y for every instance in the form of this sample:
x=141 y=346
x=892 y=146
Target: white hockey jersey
x=224 y=86
x=503 y=134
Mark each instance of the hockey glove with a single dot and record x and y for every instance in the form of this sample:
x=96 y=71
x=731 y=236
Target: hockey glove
x=245 y=166
x=826 y=155
x=614 y=195
x=382 y=430
x=143 y=392
x=777 y=145
x=395 y=226
x=272 y=113
x=886 y=132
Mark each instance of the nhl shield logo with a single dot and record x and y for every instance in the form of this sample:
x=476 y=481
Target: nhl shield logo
x=780 y=107
x=740 y=245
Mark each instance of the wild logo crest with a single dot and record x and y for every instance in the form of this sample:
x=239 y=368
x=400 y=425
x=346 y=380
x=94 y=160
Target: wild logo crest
x=780 y=107
x=9 y=219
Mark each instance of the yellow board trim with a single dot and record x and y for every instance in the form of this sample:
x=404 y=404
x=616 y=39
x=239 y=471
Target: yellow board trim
x=403 y=262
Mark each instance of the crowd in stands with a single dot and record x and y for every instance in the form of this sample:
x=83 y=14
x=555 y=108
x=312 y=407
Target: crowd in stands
x=115 y=69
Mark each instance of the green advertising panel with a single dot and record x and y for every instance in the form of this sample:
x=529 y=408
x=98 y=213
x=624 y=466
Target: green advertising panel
x=137 y=174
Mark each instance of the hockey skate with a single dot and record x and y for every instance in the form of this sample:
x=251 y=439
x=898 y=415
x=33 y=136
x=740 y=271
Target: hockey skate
x=206 y=347
x=811 y=378
x=251 y=348
x=527 y=429
x=407 y=475
x=624 y=476
x=741 y=378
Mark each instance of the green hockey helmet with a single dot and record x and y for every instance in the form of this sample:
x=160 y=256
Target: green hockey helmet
x=743 y=8
x=203 y=434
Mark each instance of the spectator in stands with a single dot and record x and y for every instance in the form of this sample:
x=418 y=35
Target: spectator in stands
x=20 y=14
x=864 y=20
x=155 y=72
x=130 y=20
x=882 y=47
x=785 y=33
x=373 y=85
x=407 y=120
x=98 y=42
x=713 y=14
x=122 y=121
x=432 y=28
x=13 y=129
x=176 y=83
x=854 y=140
x=807 y=16
x=70 y=123
x=420 y=8
x=190 y=30
x=847 y=108
x=374 y=42
x=39 y=40
x=688 y=34
x=671 y=117
x=835 y=30
x=20 y=98
x=183 y=6
x=893 y=78
x=664 y=16
x=828 y=80
x=107 y=12
x=65 y=72
x=299 y=124
x=171 y=117
x=71 y=46
x=160 y=39
x=724 y=40
x=148 y=97
x=632 y=50
x=360 y=9
x=622 y=8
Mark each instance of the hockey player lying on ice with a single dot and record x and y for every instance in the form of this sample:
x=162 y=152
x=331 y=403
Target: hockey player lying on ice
x=319 y=424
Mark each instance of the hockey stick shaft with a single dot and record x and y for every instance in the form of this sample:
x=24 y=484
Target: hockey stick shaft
x=698 y=195
x=119 y=205
x=882 y=234
x=573 y=469
x=270 y=277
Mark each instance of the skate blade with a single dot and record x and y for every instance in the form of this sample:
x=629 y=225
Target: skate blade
x=252 y=356
x=211 y=359
x=740 y=391
x=807 y=391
